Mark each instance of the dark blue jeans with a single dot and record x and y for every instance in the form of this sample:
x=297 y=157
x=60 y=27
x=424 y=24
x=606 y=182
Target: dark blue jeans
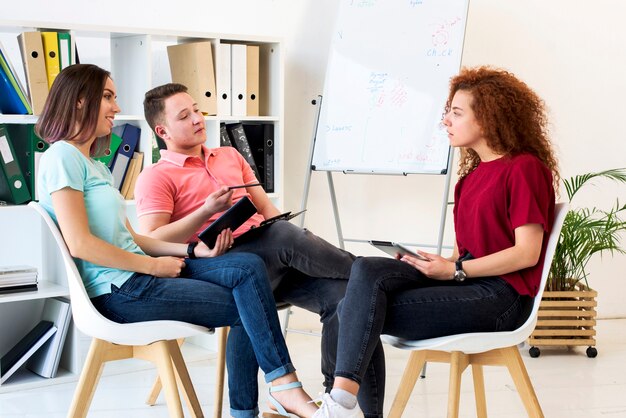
x=386 y=296
x=230 y=290
x=305 y=271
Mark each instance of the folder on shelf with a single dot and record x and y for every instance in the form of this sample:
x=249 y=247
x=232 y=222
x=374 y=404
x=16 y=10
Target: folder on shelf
x=28 y=150
x=25 y=348
x=223 y=80
x=130 y=139
x=13 y=97
x=238 y=79
x=65 y=49
x=45 y=362
x=107 y=158
x=134 y=168
x=224 y=137
x=13 y=186
x=252 y=80
x=31 y=48
x=51 y=54
x=261 y=139
x=191 y=64
x=240 y=142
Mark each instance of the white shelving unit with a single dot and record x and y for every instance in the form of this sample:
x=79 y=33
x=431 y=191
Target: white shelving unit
x=137 y=59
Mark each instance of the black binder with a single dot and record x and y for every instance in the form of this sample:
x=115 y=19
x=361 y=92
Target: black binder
x=261 y=139
x=240 y=142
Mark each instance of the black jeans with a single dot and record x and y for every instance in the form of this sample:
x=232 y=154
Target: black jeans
x=386 y=296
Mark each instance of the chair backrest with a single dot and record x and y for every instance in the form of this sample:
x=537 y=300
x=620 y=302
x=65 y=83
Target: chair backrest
x=91 y=322
x=476 y=342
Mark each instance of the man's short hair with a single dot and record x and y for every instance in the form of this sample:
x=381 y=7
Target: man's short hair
x=154 y=102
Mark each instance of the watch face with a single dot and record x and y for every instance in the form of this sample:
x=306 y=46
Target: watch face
x=459 y=275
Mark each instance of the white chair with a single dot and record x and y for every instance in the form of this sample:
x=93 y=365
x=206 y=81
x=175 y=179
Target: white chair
x=478 y=349
x=154 y=341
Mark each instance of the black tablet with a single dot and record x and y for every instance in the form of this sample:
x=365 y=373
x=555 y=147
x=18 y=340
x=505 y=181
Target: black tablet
x=233 y=218
x=393 y=248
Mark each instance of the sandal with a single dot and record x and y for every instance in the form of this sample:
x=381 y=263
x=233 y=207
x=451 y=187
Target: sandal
x=281 y=411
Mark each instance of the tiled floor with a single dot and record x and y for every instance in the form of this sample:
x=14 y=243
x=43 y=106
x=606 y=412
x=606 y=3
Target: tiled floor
x=568 y=384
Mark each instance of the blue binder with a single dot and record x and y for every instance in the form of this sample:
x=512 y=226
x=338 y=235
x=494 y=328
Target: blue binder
x=130 y=139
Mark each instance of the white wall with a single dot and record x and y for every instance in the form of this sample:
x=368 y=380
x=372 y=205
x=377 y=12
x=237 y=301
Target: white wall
x=571 y=51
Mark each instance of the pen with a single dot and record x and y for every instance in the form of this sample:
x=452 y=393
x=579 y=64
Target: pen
x=244 y=185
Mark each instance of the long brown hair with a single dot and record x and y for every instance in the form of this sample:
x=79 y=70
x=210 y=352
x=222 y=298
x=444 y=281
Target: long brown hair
x=512 y=117
x=61 y=116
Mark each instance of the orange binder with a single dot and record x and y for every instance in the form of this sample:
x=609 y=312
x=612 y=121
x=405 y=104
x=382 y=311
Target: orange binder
x=31 y=47
x=51 y=52
x=252 y=80
x=191 y=64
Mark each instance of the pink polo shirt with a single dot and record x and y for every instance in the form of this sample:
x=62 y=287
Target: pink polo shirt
x=179 y=184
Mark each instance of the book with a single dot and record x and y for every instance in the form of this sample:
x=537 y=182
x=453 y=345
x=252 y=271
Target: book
x=25 y=348
x=233 y=218
x=45 y=362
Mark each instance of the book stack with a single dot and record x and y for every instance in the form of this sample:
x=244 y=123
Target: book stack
x=17 y=279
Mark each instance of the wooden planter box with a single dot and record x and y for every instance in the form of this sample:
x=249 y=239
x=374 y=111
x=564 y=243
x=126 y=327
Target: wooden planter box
x=566 y=318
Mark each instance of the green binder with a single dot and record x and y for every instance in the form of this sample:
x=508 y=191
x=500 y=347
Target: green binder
x=28 y=150
x=13 y=186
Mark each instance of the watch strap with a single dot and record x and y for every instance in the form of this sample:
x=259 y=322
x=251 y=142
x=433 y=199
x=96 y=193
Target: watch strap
x=190 y=250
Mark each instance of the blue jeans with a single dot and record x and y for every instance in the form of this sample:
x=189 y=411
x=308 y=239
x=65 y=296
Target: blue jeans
x=386 y=296
x=230 y=290
x=305 y=271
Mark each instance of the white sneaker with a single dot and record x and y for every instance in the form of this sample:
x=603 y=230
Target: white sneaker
x=331 y=409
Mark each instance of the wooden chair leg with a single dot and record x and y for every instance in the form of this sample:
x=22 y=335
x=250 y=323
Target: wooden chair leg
x=479 y=390
x=222 y=337
x=518 y=372
x=157 y=386
x=184 y=380
x=458 y=363
x=411 y=373
x=89 y=378
x=159 y=353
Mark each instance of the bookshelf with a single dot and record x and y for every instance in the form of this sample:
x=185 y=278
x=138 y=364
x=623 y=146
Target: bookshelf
x=138 y=61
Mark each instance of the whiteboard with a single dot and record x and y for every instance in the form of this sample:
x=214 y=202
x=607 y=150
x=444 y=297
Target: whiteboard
x=386 y=85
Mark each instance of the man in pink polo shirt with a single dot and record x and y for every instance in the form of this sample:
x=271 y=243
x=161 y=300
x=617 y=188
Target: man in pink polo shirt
x=187 y=190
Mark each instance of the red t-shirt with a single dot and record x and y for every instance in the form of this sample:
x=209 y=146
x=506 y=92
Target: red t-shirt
x=493 y=200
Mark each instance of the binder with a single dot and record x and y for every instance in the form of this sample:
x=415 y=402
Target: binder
x=45 y=362
x=107 y=158
x=31 y=48
x=261 y=139
x=13 y=186
x=28 y=151
x=252 y=80
x=25 y=348
x=65 y=49
x=238 y=79
x=224 y=138
x=240 y=141
x=130 y=138
x=13 y=99
x=51 y=54
x=223 y=80
x=191 y=64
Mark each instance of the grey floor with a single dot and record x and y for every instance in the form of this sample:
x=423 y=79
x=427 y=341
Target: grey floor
x=568 y=384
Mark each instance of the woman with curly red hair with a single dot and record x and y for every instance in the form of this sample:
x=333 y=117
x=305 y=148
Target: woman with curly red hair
x=503 y=212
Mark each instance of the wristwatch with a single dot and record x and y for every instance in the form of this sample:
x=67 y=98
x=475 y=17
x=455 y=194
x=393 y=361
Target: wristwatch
x=190 y=250
x=459 y=273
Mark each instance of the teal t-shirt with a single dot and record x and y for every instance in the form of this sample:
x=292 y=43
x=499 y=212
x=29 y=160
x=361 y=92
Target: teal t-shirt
x=63 y=165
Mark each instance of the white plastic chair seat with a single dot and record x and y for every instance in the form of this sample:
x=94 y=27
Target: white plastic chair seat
x=478 y=349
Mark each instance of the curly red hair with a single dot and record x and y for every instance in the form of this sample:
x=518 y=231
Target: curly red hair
x=511 y=115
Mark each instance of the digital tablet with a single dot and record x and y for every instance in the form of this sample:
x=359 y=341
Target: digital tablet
x=393 y=248
x=287 y=216
x=233 y=218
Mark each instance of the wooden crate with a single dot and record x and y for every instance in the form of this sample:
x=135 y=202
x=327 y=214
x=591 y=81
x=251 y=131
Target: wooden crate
x=566 y=318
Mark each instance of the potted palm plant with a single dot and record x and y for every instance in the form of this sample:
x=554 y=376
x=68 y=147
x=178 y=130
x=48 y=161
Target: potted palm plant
x=567 y=310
